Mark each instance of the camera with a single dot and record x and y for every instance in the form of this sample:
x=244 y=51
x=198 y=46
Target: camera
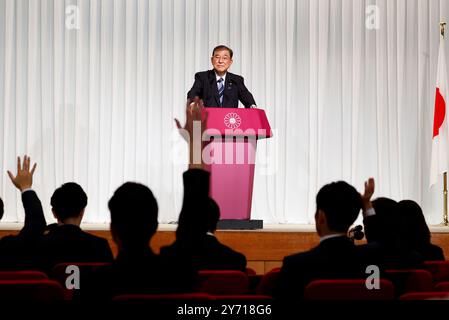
x=356 y=233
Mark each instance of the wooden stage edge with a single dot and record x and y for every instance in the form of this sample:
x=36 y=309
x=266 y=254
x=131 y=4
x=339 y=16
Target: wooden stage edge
x=264 y=249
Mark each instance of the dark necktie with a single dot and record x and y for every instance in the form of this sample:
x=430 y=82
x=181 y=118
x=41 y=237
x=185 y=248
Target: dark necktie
x=220 y=87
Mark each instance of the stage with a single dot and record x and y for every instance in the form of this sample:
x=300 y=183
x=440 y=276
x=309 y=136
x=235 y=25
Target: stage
x=264 y=249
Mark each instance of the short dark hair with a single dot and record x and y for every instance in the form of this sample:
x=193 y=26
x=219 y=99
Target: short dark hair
x=212 y=216
x=384 y=225
x=341 y=203
x=413 y=229
x=221 y=48
x=1 y=208
x=68 y=201
x=134 y=212
x=195 y=222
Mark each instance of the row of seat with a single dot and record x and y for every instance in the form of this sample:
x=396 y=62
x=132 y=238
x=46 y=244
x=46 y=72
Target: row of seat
x=356 y=289
x=227 y=282
x=51 y=290
x=342 y=289
x=213 y=282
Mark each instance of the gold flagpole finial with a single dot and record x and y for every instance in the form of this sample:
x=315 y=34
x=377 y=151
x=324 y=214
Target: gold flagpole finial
x=442 y=26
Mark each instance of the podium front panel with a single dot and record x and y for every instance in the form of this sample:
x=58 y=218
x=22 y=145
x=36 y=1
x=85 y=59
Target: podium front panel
x=231 y=163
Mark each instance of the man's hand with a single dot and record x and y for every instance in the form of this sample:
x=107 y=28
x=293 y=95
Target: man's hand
x=24 y=178
x=194 y=110
x=368 y=193
x=194 y=116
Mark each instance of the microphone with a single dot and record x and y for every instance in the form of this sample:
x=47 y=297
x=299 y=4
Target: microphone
x=356 y=233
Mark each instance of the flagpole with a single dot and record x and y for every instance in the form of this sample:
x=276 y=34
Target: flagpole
x=445 y=221
x=445 y=218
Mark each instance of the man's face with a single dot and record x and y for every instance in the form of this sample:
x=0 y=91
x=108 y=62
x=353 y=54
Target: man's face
x=221 y=60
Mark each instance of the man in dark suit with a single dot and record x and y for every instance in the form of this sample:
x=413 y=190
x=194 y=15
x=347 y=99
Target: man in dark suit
x=195 y=242
x=337 y=207
x=218 y=87
x=16 y=251
x=136 y=269
x=67 y=242
x=382 y=224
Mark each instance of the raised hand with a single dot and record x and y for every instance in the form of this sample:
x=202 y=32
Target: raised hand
x=368 y=193
x=194 y=109
x=24 y=178
x=194 y=117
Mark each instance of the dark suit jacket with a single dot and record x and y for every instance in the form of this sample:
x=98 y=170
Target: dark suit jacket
x=383 y=241
x=207 y=253
x=205 y=87
x=137 y=272
x=16 y=251
x=194 y=205
x=334 y=258
x=431 y=252
x=193 y=245
x=68 y=243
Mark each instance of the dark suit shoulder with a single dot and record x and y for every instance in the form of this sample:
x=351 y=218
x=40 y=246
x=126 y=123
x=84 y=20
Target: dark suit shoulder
x=7 y=239
x=70 y=243
x=301 y=257
x=70 y=231
x=438 y=252
x=215 y=244
x=143 y=273
x=205 y=74
x=234 y=77
x=431 y=252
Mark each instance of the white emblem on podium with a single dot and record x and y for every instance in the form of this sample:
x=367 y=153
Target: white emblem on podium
x=232 y=120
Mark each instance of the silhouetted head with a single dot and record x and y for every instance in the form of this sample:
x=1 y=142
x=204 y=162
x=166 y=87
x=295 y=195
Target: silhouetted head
x=412 y=224
x=134 y=213
x=68 y=201
x=1 y=208
x=338 y=205
x=193 y=226
x=212 y=216
x=384 y=226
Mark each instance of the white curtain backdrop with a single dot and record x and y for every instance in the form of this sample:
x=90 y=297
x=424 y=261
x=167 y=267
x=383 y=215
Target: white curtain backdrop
x=95 y=104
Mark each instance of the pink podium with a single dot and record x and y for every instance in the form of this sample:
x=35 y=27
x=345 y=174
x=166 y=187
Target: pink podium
x=230 y=155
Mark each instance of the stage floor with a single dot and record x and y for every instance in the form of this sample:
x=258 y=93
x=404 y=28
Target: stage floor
x=264 y=249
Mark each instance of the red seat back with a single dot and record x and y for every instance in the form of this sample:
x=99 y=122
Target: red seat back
x=60 y=273
x=269 y=282
x=39 y=290
x=244 y=297
x=410 y=280
x=442 y=286
x=425 y=296
x=23 y=275
x=439 y=270
x=196 y=296
x=220 y=282
x=251 y=272
x=348 y=289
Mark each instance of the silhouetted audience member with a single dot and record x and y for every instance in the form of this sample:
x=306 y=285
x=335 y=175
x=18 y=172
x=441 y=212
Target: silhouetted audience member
x=66 y=242
x=337 y=207
x=414 y=234
x=382 y=231
x=16 y=251
x=383 y=225
x=136 y=269
x=195 y=239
